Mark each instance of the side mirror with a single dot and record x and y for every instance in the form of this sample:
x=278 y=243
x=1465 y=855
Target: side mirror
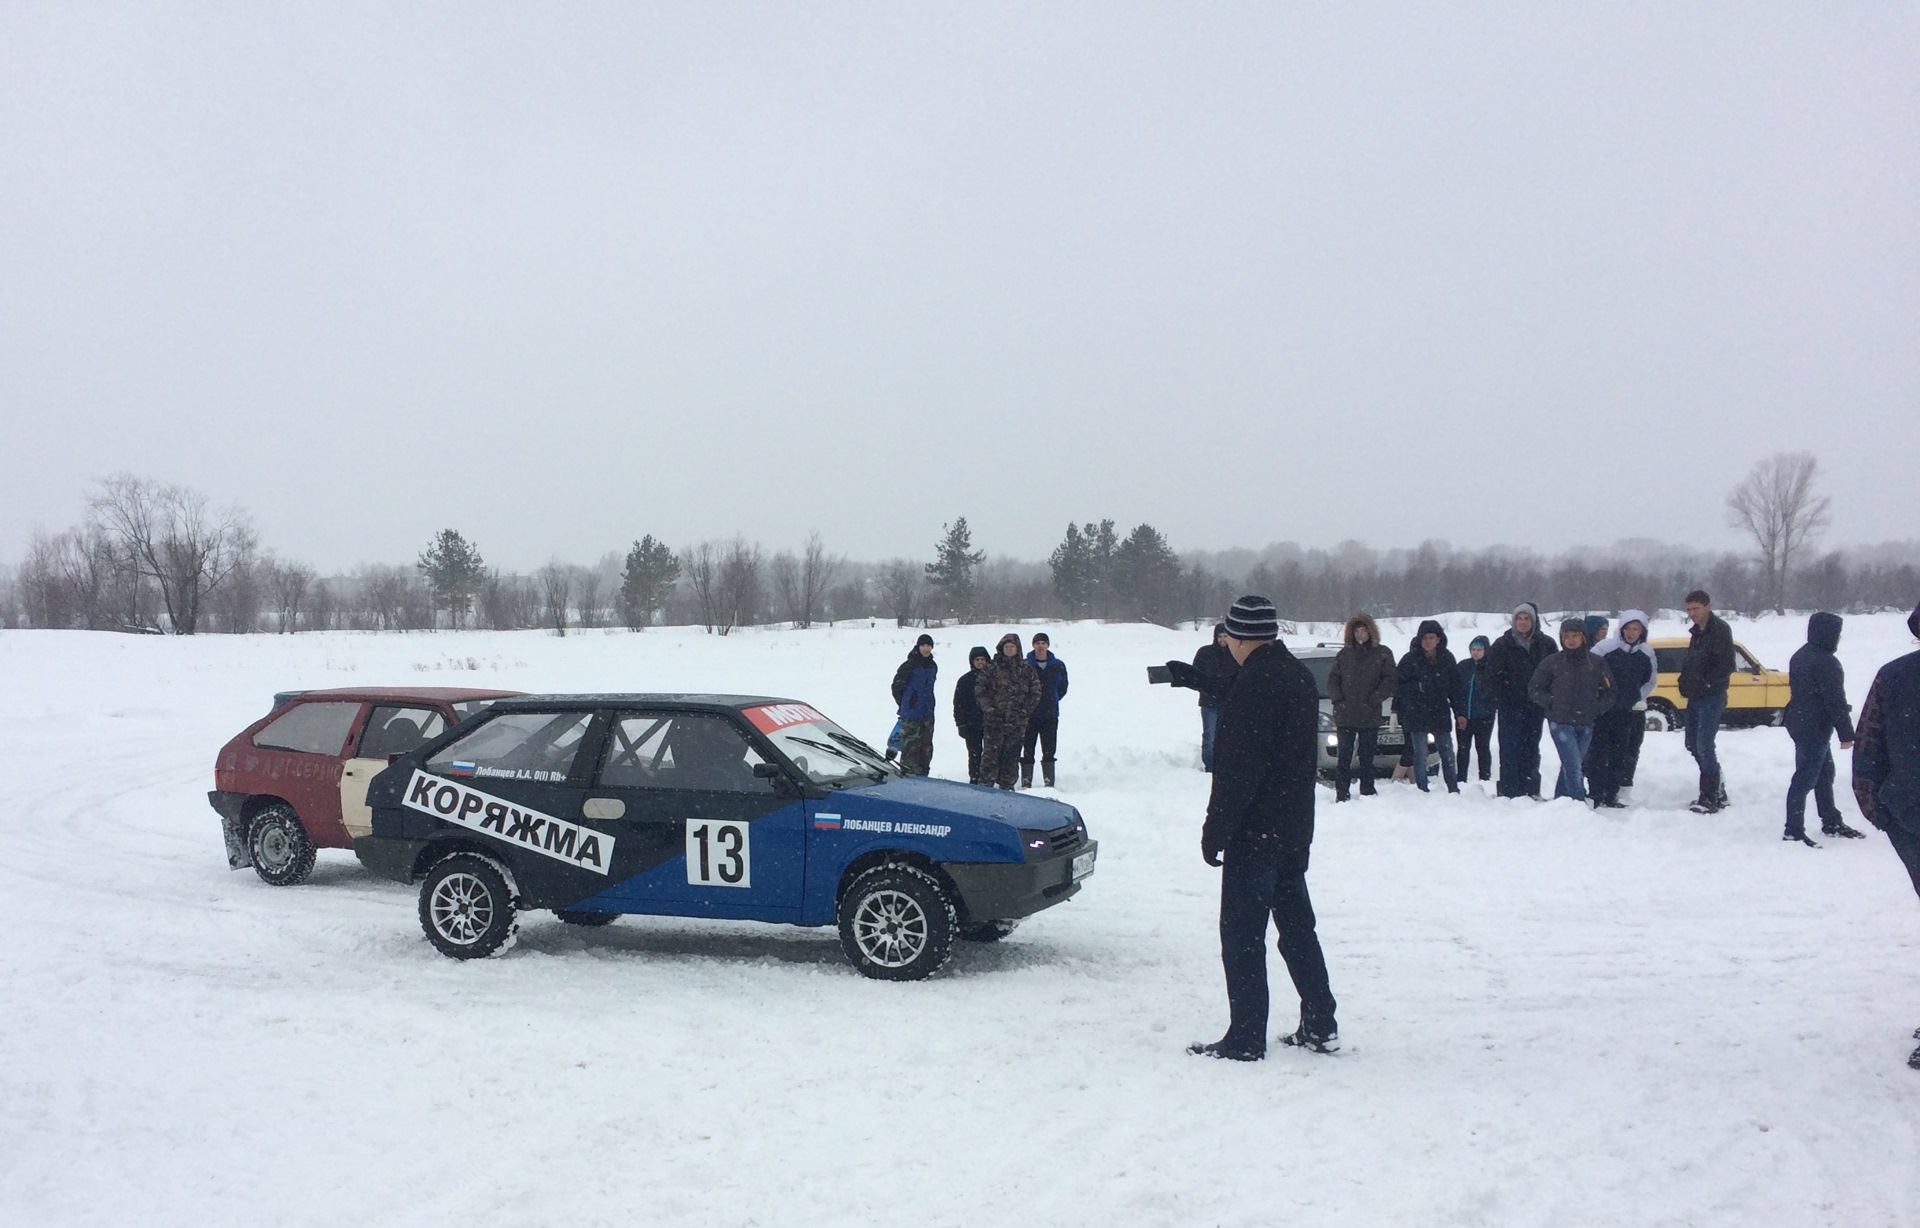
x=768 y=771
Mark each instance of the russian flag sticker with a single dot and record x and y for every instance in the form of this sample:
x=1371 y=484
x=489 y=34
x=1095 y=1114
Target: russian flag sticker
x=826 y=822
x=460 y=769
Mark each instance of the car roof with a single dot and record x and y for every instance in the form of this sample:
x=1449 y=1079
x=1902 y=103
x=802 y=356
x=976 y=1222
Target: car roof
x=446 y=693
x=632 y=699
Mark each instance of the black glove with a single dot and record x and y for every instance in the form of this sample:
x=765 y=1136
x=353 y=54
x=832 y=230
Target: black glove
x=1210 y=848
x=1183 y=674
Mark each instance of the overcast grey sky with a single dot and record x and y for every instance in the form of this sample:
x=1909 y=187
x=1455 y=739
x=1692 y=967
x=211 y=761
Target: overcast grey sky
x=559 y=275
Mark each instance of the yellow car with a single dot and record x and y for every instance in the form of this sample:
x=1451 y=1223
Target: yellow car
x=1756 y=695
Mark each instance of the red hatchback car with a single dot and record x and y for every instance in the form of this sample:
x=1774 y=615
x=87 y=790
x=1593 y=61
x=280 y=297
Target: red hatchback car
x=296 y=779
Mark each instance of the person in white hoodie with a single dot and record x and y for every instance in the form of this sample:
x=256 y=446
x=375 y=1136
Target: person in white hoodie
x=1618 y=732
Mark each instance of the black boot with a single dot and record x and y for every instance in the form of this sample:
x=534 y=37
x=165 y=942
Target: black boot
x=1709 y=800
x=1026 y=775
x=1046 y=772
x=1836 y=826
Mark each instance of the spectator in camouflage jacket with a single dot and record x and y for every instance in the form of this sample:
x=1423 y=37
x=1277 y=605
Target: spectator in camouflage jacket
x=1008 y=691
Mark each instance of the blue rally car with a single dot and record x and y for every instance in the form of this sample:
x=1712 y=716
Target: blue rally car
x=724 y=806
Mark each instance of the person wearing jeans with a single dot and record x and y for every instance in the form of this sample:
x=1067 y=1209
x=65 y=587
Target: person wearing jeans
x=1428 y=690
x=1214 y=667
x=1573 y=687
x=1704 y=672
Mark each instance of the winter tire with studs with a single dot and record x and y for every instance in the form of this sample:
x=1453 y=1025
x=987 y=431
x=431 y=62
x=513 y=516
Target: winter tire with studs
x=467 y=907
x=281 y=852
x=896 y=923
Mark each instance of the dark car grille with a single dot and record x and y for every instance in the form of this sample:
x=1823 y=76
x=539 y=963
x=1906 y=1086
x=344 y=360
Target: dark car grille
x=1054 y=843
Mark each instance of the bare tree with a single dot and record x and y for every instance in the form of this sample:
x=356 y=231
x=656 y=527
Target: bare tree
x=556 y=590
x=1778 y=508
x=783 y=571
x=287 y=584
x=702 y=567
x=172 y=535
x=900 y=590
x=740 y=591
x=818 y=570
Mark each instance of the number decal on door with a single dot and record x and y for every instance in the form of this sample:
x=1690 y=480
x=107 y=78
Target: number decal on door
x=718 y=854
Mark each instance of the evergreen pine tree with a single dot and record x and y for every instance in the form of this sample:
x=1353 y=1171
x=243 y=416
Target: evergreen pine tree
x=952 y=571
x=454 y=571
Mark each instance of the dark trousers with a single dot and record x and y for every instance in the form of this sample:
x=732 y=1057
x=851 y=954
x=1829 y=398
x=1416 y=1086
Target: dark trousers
x=1630 y=756
x=1613 y=740
x=1368 y=739
x=1254 y=885
x=1703 y=729
x=1000 y=753
x=1907 y=844
x=1044 y=729
x=1209 y=722
x=1520 y=751
x=1479 y=732
x=1812 y=770
x=973 y=741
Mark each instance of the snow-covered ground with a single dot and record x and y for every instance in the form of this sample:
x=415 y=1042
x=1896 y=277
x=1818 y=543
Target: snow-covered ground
x=1550 y=1016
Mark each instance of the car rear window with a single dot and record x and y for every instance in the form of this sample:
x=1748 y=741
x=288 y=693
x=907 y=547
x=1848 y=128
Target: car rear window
x=316 y=728
x=464 y=708
x=516 y=746
x=395 y=731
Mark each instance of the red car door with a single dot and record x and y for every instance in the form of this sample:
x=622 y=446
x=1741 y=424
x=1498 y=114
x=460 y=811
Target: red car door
x=298 y=758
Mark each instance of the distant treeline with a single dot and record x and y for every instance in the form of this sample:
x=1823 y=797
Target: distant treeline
x=156 y=559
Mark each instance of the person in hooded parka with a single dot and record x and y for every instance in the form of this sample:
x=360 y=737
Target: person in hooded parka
x=1816 y=712
x=1617 y=734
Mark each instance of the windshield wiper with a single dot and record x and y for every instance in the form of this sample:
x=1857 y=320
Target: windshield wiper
x=839 y=753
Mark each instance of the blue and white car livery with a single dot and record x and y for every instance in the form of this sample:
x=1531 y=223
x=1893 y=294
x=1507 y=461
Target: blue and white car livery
x=741 y=807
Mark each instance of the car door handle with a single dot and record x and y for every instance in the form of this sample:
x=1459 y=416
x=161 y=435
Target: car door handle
x=603 y=808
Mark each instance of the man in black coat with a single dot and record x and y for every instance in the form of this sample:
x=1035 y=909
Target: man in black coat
x=1704 y=672
x=1428 y=691
x=1886 y=762
x=966 y=712
x=1260 y=827
x=1510 y=666
x=1817 y=710
x=1215 y=669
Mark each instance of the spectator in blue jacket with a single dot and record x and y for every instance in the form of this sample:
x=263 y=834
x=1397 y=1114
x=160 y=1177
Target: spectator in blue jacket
x=1043 y=727
x=1473 y=720
x=913 y=691
x=1816 y=711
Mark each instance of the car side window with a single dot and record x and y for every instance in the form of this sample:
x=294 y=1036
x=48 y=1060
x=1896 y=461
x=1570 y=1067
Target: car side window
x=680 y=750
x=1670 y=659
x=516 y=746
x=315 y=728
x=1742 y=663
x=393 y=730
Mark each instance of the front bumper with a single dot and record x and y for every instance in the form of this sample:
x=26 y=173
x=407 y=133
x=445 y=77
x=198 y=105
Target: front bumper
x=231 y=807
x=1008 y=890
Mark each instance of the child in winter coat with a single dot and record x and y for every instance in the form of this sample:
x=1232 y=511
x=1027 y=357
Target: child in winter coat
x=1473 y=719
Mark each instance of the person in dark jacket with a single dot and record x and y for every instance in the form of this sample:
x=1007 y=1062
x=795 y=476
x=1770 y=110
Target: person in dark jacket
x=1473 y=719
x=1043 y=727
x=1216 y=669
x=913 y=691
x=1886 y=762
x=1259 y=827
x=1509 y=669
x=1817 y=710
x=1360 y=680
x=1008 y=692
x=1703 y=684
x=1428 y=688
x=966 y=711
x=1573 y=688
x=1617 y=735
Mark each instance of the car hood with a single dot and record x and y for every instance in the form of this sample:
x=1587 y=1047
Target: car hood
x=1021 y=810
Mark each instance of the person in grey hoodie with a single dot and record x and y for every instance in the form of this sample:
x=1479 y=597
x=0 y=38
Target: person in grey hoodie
x=1816 y=711
x=1617 y=735
x=1573 y=688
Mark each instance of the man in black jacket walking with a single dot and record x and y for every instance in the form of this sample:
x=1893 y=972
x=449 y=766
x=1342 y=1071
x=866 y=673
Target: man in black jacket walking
x=1260 y=827
x=1816 y=711
x=1703 y=684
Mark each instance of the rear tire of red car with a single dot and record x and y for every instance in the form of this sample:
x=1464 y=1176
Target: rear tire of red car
x=897 y=924
x=467 y=907
x=281 y=852
x=585 y=920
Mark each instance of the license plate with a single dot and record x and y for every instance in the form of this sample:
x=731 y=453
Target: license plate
x=1082 y=866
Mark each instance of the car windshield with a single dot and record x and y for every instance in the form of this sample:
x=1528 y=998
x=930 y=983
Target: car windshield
x=823 y=752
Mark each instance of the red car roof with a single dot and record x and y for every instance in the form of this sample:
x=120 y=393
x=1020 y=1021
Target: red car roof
x=446 y=693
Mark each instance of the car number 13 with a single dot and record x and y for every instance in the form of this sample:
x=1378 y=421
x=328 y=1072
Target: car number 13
x=718 y=854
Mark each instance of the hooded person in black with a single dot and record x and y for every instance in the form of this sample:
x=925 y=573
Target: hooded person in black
x=1573 y=687
x=1259 y=827
x=966 y=711
x=1428 y=691
x=1509 y=668
x=1816 y=711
